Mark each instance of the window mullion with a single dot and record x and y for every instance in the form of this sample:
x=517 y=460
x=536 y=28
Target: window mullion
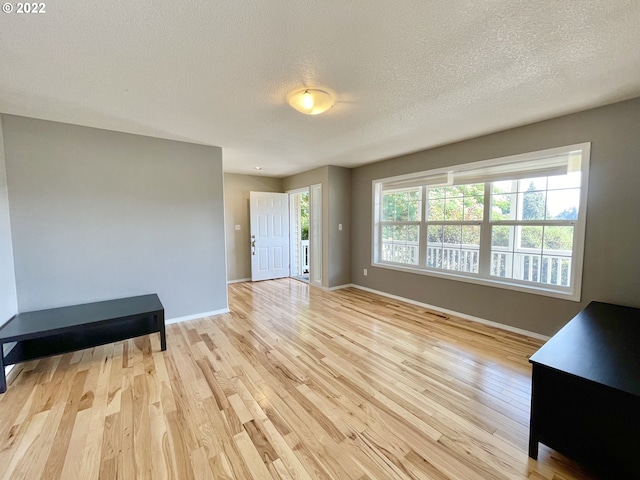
x=422 y=239
x=484 y=267
x=536 y=223
x=380 y=243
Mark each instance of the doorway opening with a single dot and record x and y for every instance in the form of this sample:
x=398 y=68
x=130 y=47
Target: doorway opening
x=300 y=252
x=286 y=235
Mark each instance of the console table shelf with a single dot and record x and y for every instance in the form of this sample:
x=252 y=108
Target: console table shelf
x=54 y=331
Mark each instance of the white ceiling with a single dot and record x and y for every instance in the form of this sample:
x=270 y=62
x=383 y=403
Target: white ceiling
x=407 y=75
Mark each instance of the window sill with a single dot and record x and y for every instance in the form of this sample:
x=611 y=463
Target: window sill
x=487 y=282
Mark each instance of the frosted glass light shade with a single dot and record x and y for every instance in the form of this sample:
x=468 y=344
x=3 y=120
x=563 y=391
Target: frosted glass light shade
x=311 y=101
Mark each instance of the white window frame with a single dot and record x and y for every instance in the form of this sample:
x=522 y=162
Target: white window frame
x=405 y=223
x=573 y=292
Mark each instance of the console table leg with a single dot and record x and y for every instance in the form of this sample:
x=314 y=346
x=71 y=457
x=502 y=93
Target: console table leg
x=533 y=447
x=533 y=437
x=3 y=377
x=163 y=334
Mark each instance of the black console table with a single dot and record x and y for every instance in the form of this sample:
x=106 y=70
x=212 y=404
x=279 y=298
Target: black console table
x=59 y=330
x=585 y=398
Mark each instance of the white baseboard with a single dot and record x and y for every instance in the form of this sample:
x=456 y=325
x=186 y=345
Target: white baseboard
x=240 y=280
x=490 y=323
x=331 y=289
x=195 y=316
x=340 y=287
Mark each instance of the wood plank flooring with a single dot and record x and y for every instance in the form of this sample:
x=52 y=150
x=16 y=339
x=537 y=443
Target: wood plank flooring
x=294 y=383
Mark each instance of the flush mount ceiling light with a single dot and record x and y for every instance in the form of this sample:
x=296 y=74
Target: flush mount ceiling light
x=311 y=101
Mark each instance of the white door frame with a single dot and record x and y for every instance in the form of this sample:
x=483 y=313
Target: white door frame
x=315 y=234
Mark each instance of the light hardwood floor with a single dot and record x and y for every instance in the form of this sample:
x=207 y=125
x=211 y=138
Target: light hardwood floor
x=295 y=382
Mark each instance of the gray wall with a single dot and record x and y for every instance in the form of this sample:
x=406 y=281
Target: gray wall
x=97 y=214
x=236 y=210
x=8 y=298
x=339 y=213
x=612 y=247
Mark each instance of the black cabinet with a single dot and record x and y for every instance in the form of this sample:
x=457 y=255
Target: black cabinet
x=585 y=399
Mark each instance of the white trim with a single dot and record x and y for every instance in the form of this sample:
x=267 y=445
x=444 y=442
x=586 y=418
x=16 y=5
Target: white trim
x=490 y=323
x=196 y=316
x=240 y=280
x=581 y=224
x=298 y=190
x=293 y=220
x=473 y=165
x=534 y=289
x=316 y=239
x=330 y=289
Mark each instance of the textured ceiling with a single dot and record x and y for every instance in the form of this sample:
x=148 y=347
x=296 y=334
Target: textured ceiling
x=407 y=75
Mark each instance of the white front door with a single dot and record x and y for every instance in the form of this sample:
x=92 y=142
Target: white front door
x=269 y=235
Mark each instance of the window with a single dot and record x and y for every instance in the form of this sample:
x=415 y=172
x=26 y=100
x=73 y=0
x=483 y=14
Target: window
x=515 y=222
x=400 y=225
x=454 y=225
